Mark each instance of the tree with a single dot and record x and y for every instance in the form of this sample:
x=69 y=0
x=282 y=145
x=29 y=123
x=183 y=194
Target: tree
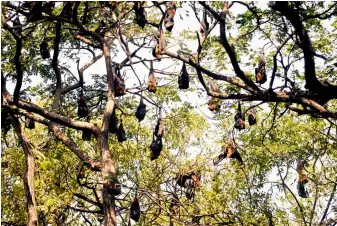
x=122 y=35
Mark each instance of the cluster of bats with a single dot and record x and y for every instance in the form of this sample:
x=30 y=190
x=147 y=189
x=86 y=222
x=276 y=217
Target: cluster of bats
x=189 y=181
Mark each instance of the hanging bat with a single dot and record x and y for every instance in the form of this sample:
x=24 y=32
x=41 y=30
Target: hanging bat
x=251 y=117
x=5 y=120
x=152 y=82
x=156 y=147
x=82 y=110
x=160 y=128
x=141 y=110
x=303 y=179
x=260 y=71
x=196 y=177
x=140 y=15
x=29 y=123
x=135 y=210
x=214 y=104
x=181 y=180
x=119 y=85
x=183 y=78
x=156 y=53
x=121 y=136
x=302 y=192
x=239 y=119
x=86 y=135
x=229 y=152
x=113 y=123
x=232 y=152
x=44 y=50
x=169 y=16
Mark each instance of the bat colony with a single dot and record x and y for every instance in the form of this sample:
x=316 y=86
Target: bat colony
x=187 y=181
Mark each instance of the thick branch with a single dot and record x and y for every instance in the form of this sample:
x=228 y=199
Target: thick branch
x=58 y=90
x=28 y=179
x=222 y=20
x=57 y=132
x=80 y=74
x=207 y=72
x=312 y=83
x=79 y=125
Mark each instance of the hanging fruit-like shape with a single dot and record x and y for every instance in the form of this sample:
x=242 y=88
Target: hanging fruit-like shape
x=44 y=50
x=184 y=78
x=260 y=71
x=121 y=136
x=82 y=110
x=156 y=147
x=141 y=111
x=119 y=85
x=239 y=119
x=251 y=117
x=135 y=210
x=152 y=82
x=169 y=16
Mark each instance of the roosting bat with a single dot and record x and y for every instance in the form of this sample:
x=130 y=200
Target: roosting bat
x=121 y=136
x=229 y=152
x=44 y=50
x=160 y=128
x=141 y=110
x=82 y=110
x=140 y=15
x=152 y=82
x=251 y=117
x=184 y=78
x=260 y=71
x=214 y=104
x=239 y=119
x=135 y=210
x=169 y=16
x=119 y=85
x=156 y=147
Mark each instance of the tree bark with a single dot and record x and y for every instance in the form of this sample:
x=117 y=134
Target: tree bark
x=108 y=166
x=28 y=178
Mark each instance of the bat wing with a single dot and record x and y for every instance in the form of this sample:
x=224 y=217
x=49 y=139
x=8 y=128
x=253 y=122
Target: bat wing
x=219 y=159
x=237 y=156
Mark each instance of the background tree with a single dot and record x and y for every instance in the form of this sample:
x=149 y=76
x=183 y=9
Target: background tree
x=276 y=60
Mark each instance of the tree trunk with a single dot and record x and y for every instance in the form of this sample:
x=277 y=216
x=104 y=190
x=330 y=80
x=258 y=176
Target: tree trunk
x=28 y=178
x=108 y=173
x=108 y=167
